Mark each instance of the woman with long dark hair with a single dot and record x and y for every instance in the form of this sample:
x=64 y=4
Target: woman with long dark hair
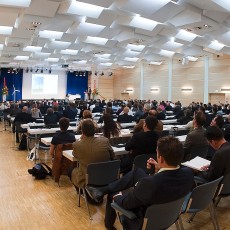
x=110 y=127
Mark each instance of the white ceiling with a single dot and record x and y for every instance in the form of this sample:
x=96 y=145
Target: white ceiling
x=110 y=34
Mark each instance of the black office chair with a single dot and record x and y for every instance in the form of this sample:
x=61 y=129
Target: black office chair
x=117 y=141
x=99 y=174
x=157 y=216
x=200 y=198
x=19 y=130
x=201 y=151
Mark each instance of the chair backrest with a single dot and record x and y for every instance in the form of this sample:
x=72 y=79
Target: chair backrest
x=202 y=195
x=162 y=216
x=102 y=173
x=140 y=161
x=226 y=185
x=119 y=140
x=60 y=163
x=201 y=151
x=182 y=132
x=18 y=128
x=165 y=133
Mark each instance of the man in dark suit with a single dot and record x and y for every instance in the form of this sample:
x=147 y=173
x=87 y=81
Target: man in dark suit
x=97 y=108
x=144 y=142
x=125 y=117
x=23 y=117
x=220 y=163
x=196 y=139
x=170 y=182
x=141 y=143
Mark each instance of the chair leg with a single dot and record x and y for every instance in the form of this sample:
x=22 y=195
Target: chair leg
x=86 y=203
x=213 y=216
x=216 y=202
x=79 y=196
x=177 y=225
x=191 y=218
x=180 y=223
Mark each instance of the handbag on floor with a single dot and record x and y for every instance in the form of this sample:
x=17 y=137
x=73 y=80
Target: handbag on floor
x=40 y=171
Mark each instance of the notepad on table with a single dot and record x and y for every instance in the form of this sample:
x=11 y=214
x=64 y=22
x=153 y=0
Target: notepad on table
x=197 y=163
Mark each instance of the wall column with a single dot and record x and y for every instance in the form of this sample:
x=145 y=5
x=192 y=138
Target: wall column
x=170 y=72
x=206 y=77
x=141 y=81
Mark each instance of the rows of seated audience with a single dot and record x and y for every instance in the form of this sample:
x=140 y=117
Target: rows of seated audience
x=208 y=136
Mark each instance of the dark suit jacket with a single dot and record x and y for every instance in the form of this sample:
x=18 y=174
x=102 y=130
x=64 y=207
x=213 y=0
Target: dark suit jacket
x=125 y=118
x=195 y=139
x=142 y=143
x=162 y=187
x=97 y=109
x=69 y=113
x=50 y=119
x=24 y=118
x=220 y=163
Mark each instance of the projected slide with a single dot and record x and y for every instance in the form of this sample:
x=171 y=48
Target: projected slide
x=44 y=84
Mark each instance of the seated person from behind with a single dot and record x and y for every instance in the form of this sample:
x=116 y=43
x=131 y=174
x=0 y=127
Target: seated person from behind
x=89 y=149
x=97 y=108
x=70 y=112
x=110 y=127
x=125 y=118
x=139 y=126
x=160 y=114
x=87 y=115
x=170 y=182
x=220 y=163
x=50 y=118
x=141 y=143
x=144 y=142
x=35 y=112
x=63 y=136
x=23 y=117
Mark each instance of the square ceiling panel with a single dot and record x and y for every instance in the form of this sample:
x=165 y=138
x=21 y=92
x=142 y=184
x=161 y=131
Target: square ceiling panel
x=43 y=8
x=15 y=3
x=144 y=7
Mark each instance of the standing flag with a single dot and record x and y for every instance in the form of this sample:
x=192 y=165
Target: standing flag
x=4 y=90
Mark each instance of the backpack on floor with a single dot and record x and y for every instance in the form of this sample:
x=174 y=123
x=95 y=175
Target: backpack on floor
x=23 y=143
x=40 y=171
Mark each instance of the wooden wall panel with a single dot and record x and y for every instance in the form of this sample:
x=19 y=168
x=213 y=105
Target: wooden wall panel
x=189 y=75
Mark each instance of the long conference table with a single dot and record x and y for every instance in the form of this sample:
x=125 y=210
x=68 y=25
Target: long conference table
x=124 y=133
x=118 y=151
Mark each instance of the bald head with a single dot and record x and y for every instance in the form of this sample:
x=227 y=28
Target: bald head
x=126 y=109
x=153 y=112
x=24 y=109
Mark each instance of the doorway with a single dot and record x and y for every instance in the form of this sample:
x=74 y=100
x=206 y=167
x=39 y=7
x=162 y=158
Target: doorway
x=217 y=98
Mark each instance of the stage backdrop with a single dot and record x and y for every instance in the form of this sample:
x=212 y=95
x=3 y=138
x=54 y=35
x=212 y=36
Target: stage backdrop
x=13 y=81
x=36 y=85
x=77 y=84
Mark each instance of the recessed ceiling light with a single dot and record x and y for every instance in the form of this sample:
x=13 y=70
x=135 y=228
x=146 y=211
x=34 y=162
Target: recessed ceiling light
x=36 y=23
x=30 y=28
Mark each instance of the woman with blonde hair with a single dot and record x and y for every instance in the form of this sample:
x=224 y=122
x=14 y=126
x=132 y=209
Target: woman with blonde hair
x=35 y=112
x=87 y=115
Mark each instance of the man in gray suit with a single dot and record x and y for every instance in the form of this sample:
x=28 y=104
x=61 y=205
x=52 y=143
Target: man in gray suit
x=196 y=143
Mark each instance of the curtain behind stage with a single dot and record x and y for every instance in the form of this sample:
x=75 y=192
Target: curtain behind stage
x=77 y=84
x=12 y=80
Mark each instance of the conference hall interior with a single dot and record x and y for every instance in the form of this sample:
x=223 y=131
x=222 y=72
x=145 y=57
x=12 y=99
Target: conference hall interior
x=67 y=54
